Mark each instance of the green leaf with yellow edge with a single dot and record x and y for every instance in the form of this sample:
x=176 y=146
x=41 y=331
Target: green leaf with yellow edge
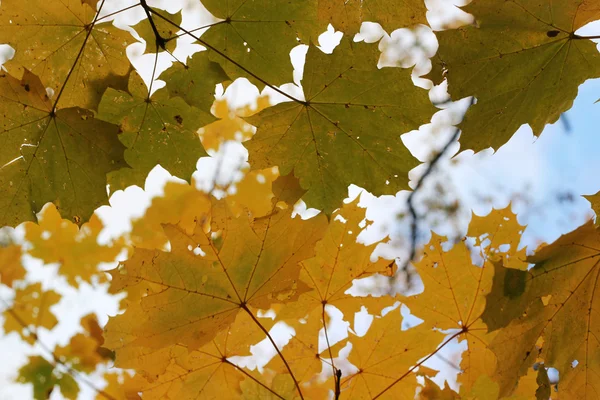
x=76 y=250
x=522 y=62
x=55 y=39
x=43 y=376
x=348 y=15
x=61 y=157
x=31 y=310
x=11 y=268
x=386 y=358
x=258 y=35
x=167 y=31
x=557 y=316
x=195 y=81
x=348 y=130
x=197 y=289
x=155 y=130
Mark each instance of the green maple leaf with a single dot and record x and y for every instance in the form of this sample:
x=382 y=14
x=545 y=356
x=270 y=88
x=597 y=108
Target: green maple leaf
x=195 y=81
x=155 y=130
x=348 y=15
x=40 y=373
x=259 y=34
x=348 y=130
x=166 y=30
x=522 y=62
x=61 y=157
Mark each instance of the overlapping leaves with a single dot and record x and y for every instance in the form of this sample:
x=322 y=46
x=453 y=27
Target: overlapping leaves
x=523 y=63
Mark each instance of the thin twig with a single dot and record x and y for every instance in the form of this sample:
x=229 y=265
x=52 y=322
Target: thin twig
x=160 y=41
x=414 y=227
x=576 y=37
x=225 y=56
x=55 y=360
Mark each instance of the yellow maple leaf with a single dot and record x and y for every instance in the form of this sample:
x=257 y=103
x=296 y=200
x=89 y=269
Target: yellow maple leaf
x=76 y=250
x=230 y=125
x=31 y=310
x=196 y=290
x=11 y=268
x=386 y=357
x=53 y=38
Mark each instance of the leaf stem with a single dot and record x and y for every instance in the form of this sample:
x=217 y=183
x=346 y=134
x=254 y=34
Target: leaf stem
x=287 y=366
x=160 y=41
x=586 y=37
x=225 y=56
x=117 y=12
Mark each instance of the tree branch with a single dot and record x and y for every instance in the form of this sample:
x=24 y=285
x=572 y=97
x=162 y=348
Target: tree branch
x=576 y=37
x=160 y=41
x=55 y=360
x=414 y=228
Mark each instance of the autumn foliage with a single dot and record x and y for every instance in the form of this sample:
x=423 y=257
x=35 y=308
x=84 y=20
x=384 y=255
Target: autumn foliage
x=205 y=275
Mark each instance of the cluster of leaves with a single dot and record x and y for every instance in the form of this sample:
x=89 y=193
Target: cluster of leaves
x=203 y=276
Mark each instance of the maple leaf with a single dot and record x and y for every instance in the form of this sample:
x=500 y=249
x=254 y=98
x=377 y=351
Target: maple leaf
x=155 y=130
x=594 y=199
x=255 y=37
x=522 y=61
x=353 y=115
x=253 y=193
x=166 y=30
x=181 y=205
x=191 y=296
x=83 y=352
x=348 y=15
x=230 y=126
x=44 y=377
x=555 y=304
x=457 y=290
x=56 y=240
x=119 y=388
x=47 y=156
x=31 y=310
x=385 y=358
x=432 y=391
x=195 y=81
x=339 y=260
x=65 y=44
x=176 y=372
x=485 y=388
x=11 y=268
